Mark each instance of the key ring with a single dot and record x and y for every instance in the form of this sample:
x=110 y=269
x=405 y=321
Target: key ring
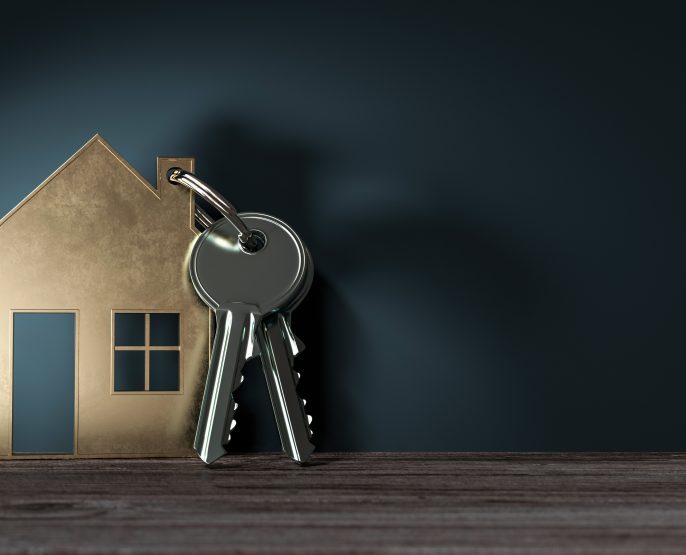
x=248 y=240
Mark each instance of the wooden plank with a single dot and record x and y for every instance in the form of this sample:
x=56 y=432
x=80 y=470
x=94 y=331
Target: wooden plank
x=348 y=503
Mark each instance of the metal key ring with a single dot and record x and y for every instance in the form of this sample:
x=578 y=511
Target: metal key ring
x=248 y=240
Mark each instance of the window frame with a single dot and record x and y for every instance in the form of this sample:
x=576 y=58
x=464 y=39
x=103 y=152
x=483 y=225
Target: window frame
x=146 y=348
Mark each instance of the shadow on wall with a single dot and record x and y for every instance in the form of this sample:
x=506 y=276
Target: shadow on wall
x=263 y=175
x=461 y=316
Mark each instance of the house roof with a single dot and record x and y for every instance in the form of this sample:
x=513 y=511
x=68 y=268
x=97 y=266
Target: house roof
x=96 y=139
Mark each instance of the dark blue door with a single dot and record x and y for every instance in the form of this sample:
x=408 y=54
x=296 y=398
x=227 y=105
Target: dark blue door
x=43 y=378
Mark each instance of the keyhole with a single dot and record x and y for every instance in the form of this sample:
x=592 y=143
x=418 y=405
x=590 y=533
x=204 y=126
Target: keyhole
x=256 y=242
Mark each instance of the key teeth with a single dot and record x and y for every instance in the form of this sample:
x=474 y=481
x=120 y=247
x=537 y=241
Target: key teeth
x=308 y=416
x=295 y=345
x=300 y=345
x=240 y=378
x=232 y=425
x=235 y=407
x=309 y=419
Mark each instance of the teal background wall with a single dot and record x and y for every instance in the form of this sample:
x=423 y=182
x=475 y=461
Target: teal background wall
x=493 y=196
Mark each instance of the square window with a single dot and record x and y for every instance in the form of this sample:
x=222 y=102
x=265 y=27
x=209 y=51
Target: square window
x=129 y=371
x=147 y=352
x=129 y=329
x=164 y=370
x=164 y=329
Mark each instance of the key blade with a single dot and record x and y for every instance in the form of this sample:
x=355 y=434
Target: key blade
x=295 y=345
x=288 y=408
x=234 y=323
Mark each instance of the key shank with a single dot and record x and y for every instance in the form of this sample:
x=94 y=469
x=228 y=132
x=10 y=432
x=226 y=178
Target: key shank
x=232 y=347
x=277 y=364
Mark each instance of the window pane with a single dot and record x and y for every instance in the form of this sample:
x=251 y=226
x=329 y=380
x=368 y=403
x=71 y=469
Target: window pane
x=129 y=329
x=164 y=370
x=129 y=371
x=164 y=330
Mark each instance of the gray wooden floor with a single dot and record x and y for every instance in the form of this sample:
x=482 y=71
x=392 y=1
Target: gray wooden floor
x=348 y=503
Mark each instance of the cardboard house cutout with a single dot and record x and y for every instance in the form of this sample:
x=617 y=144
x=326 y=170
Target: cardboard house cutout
x=104 y=343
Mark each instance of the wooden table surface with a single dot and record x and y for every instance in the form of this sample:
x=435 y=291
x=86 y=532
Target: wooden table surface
x=348 y=503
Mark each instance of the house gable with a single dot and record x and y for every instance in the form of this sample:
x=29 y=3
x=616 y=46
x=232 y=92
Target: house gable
x=97 y=140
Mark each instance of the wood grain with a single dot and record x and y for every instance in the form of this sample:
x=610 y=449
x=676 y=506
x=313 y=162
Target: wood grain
x=348 y=503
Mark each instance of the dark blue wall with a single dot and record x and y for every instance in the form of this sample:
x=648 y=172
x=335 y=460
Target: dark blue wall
x=494 y=198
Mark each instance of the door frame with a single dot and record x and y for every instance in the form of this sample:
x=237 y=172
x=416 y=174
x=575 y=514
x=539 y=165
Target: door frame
x=76 y=313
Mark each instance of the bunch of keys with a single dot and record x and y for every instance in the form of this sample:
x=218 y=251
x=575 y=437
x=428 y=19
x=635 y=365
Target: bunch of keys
x=252 y=270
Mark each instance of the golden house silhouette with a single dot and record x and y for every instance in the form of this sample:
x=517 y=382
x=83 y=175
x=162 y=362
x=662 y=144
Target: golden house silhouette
x=99 y=250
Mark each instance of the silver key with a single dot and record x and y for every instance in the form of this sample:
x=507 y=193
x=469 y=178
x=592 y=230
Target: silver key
x=241 y=333
x=242 y=287
x=279 y=346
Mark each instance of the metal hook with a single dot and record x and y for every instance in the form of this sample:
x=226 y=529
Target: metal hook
x=246 y=238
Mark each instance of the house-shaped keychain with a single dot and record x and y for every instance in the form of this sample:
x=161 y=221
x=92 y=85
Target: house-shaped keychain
x=103 y=342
